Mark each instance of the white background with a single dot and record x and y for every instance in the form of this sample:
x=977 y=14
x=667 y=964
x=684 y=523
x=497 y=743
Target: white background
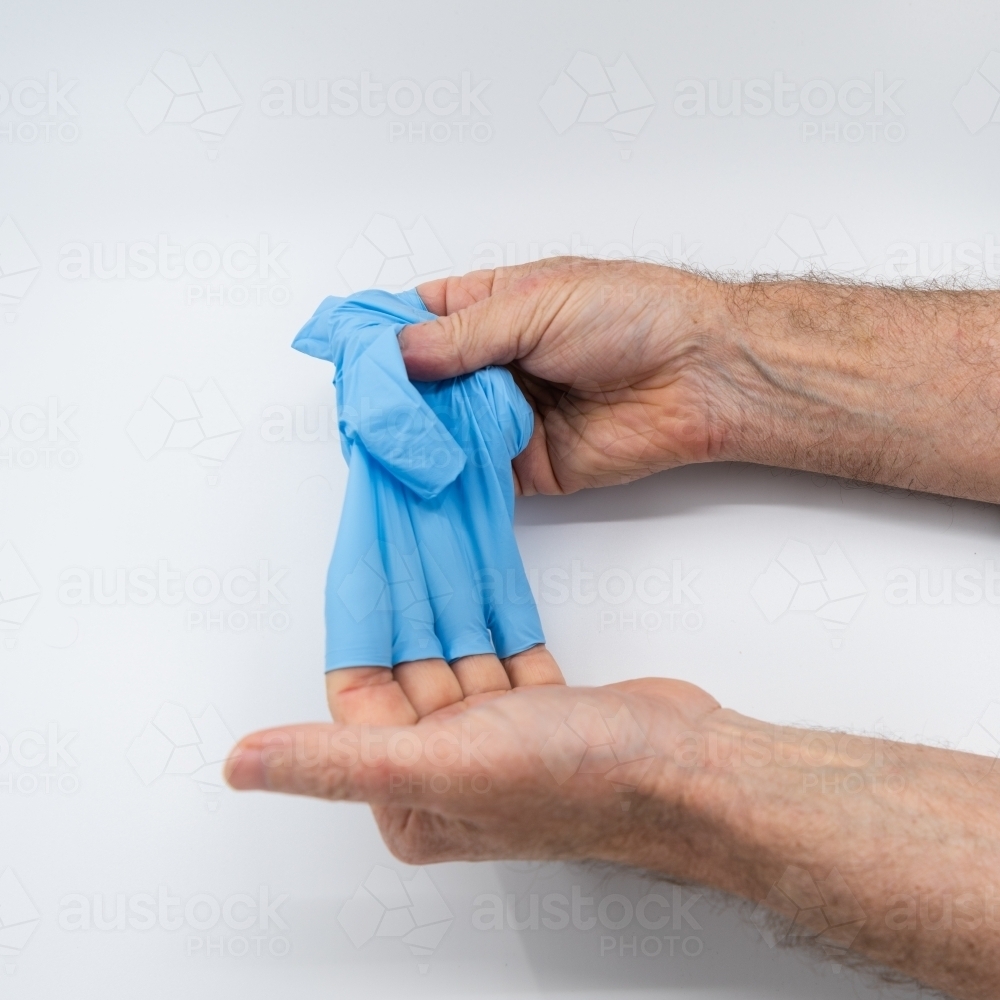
x=101 y=819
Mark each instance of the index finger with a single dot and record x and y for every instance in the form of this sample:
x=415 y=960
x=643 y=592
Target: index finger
x=447 y=295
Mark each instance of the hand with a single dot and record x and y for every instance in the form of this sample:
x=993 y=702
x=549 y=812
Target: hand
x=609 y=353
x=634 y=368
x=855 y=842
x=429 y=689
x=499 y=775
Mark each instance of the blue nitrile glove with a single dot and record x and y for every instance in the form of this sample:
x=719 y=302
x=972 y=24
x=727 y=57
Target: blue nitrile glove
x=425 y=563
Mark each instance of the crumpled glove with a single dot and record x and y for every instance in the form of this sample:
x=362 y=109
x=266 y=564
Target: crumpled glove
x=425 y=563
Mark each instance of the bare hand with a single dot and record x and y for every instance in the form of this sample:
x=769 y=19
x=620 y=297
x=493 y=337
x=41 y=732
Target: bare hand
x=606 y=352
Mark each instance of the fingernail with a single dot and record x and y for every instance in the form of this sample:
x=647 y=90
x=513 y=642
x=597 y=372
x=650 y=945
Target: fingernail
x=245 y=770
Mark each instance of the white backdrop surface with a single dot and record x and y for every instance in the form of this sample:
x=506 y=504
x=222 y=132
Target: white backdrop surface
x=180 y=184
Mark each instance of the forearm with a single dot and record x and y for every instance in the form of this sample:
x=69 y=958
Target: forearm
x=889 y=850
x=891 y=386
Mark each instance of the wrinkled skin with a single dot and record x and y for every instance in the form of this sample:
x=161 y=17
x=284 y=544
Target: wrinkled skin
x=615 y=399
x=632 y=369
x=481 y=788
x=608 y=354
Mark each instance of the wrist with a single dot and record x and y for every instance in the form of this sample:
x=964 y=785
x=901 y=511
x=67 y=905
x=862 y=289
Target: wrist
x=880 y=385
x=718 y=809
x=744 y=800
x=796 y=390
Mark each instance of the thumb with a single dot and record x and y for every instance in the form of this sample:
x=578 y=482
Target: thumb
x=363 y=763
x=481 y=334
x=315 y=759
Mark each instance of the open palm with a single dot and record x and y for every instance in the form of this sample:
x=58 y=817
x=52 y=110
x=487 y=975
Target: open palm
x=528 y=769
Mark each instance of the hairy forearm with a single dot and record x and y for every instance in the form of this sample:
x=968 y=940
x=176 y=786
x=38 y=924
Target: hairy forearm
x=861 y=846
x=892 y=386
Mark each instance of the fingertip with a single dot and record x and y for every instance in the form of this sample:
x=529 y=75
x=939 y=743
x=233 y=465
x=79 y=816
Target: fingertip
x=433 y=294
x=405 y=339
x=533 y=667
x=428 y=351
x=244 y=768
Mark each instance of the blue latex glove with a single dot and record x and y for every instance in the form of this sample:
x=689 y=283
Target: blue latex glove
x=425 y=563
